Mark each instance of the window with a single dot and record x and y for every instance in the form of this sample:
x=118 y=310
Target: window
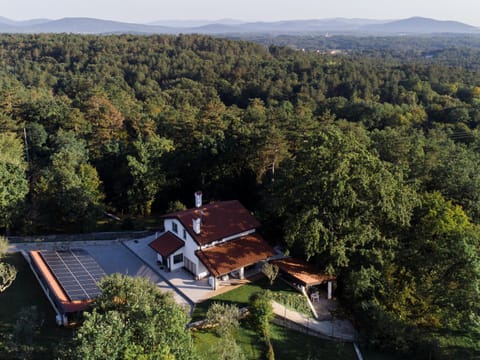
x=185 y=234
x=178 y=258
x=174 y=227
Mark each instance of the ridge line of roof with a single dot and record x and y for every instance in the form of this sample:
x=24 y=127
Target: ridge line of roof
x=219 y=208
x=176 y=213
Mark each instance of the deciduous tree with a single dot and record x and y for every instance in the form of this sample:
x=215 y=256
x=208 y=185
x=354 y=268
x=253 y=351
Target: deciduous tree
x=13 y=181
x=146 y=171
x=8 y=273
x=134 y=319
x=69 y=187
x=270 y=271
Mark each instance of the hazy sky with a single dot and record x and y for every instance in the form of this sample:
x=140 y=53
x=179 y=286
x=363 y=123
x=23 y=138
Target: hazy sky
x=149 y=10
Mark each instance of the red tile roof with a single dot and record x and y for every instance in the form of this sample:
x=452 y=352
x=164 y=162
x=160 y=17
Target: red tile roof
x=234 y=254
x=305 y=273
x=219 y=220
x=166 y=244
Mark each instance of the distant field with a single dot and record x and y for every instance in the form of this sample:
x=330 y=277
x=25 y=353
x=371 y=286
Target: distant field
x=26 y=292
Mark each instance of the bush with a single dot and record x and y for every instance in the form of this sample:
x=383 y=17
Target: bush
x=224 y=317
x=261 y=312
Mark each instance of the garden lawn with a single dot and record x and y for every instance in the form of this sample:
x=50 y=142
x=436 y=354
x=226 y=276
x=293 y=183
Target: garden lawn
x=26 y=292
x=281 y=292
x=287 y=344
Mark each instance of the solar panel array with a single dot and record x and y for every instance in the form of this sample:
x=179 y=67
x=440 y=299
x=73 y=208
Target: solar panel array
x=76 y=271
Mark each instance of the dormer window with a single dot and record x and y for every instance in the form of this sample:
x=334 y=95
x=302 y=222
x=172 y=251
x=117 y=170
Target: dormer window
x=174 y=227
x=184 y=234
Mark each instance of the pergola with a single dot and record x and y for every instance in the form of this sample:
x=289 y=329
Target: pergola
x=304 y=274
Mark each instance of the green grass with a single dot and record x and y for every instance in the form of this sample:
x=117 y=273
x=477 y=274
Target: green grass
x=25 y=292
x=281 y=292
x=287 y=345
x=206 y=342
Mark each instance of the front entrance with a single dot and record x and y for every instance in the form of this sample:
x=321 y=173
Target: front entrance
x=165 y=261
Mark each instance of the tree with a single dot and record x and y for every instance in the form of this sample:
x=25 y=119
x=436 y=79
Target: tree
x=175 y=206
x=13 y=181
x=261 y=313
x=145 y=166
x=27 y=322
x=69 y=187
x=272 y=149
x=107 y=124
x=224 y=317
x=431 y=286
x=133 y=319
x=8 y=273
x=453 y=173
x=442 y=254
x=340 y=203
x=270 y=271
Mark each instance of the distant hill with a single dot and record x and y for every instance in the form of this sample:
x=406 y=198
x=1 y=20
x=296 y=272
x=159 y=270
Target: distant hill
x=88 y=26
x=5 y=21
x=96 y=26
x=194 y=23
x=231 y=26
x=419 y=25
x=314 y=25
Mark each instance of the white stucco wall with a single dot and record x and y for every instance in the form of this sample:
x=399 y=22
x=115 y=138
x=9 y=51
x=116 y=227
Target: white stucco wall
x=174 y=266
x=188 y=251
x=169 y=227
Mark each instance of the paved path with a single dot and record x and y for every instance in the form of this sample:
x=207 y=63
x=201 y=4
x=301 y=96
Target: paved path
x=324 y=307
x=334 y=329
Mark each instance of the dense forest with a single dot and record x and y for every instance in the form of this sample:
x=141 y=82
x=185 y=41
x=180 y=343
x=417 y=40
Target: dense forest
x=364 y=163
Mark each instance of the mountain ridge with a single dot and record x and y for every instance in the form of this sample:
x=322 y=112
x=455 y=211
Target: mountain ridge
x=422 y=25
x=85 y=25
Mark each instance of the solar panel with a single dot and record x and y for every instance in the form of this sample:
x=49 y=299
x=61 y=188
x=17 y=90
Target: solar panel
x=76 y=272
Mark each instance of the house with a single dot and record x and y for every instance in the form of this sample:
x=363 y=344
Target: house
x=216 y=240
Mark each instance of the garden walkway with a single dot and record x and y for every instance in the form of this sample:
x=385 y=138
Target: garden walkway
x=333 y=329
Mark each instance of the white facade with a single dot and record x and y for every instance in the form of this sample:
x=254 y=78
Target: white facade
x=173 y=261
x=198 y=269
